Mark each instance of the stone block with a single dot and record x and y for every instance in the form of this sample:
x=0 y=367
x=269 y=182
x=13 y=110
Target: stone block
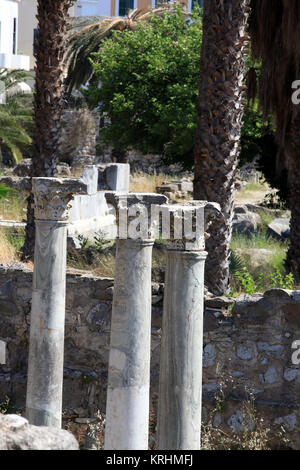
x=279 y=228
x=90 y=178
x=114 y=176
x=17 y=433
x=2 y=352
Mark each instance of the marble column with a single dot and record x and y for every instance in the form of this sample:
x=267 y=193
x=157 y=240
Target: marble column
x=180 y=383
x=127 y=409
x=46 y=350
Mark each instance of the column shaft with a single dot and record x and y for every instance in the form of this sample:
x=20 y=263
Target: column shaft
x=127 y=411
x=180 y=387
x=46 y=352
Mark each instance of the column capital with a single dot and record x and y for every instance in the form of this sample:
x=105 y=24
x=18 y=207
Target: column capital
x=134 y=213
x=186 y=224
x=119 y=200
x=53 y=195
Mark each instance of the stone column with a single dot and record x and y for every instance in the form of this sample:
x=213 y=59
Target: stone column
x=46 y=350
x=127 y=409
x=180 y=383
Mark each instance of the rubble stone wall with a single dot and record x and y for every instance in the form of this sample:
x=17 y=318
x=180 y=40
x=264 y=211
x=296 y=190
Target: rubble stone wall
x=249 y=347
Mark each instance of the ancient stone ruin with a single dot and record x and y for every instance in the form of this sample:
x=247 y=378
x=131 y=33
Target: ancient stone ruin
x=75 y=344
x=127 y=406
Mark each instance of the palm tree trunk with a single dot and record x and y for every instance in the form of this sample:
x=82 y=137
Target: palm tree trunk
x=48 y=99
x=220 y=112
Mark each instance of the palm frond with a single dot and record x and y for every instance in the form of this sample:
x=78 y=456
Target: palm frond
x=15 y=122
x=236 y=263
x=11 y=78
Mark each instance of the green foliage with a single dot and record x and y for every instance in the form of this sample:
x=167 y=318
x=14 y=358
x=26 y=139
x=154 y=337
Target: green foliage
x=277 y=280
x=16 y=121
x=83 y=241
x=149 y=85
x=100 y=240
x=236 y=263
x=4 y=191
x=247 y=282
x=15 y=238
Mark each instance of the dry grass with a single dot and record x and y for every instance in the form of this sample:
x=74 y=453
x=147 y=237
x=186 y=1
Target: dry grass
x=12 y=205
x=8 y=252
x=144 y=183
x=99 y=264
x=105 y=266
x=253 y=193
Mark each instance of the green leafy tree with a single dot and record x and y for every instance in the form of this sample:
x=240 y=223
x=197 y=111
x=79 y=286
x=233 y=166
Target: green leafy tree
x=149 y=85
x=86 y=34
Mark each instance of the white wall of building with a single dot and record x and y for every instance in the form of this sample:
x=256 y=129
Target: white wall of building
x=10 y=57
x=92 y=7
x=27 y=25
x=8 y=11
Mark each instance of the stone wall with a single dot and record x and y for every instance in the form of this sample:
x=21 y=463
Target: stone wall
x=87 y=334
x=250 y=347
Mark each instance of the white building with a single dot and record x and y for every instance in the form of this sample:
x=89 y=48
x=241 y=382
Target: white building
x=10 y=57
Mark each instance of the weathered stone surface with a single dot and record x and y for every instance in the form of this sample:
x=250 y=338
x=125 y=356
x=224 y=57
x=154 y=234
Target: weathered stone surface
x=292 y=314
x=186 y=224
x=129 y=357
x=175 y=189
x=47 y=327
x=8 y=308
x=219 y=302
x=17 y=434
x=99 y=317
x=117 y=176
x=279 y=228
x=245 y=223
x=239 y=422
x=180 y=383
x=20 y=184
x=209 y=355
x=258 y=256
x=292 y=374
x=253 y=307
x=245 y=351
x=2 y=352
x=257 y=208
x=269 y=326
x=278 y=294
x=270 y=376
x=53 y=195
x=241 y=210
x=288 y=422
x=24 y=168
x=90 y=178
